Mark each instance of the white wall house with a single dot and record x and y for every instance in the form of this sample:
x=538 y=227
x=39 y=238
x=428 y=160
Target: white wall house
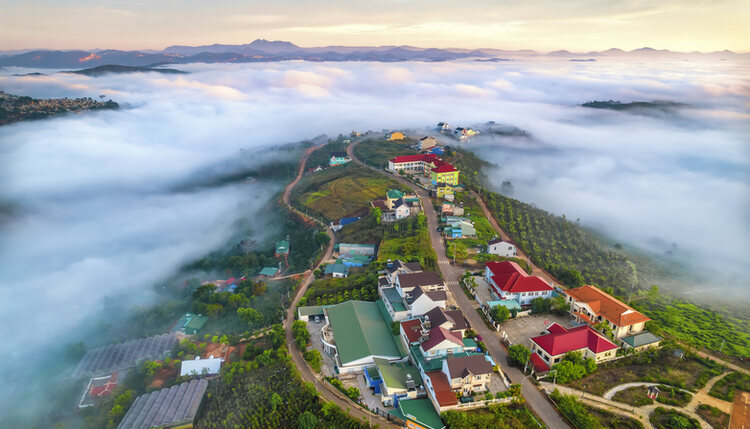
x=507 y=280
x=501 y=248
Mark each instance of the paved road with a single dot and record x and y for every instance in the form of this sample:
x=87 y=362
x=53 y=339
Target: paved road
x=534 y=398
x=328 y=392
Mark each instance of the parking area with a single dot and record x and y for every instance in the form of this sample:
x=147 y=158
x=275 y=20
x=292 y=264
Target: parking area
x=482 y=290
x=521 y=329
x=317 y=343
x=369 y=399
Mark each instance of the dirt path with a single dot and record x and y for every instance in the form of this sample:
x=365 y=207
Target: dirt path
x=535 y=399
x=611 y=392
x=702 y=397
x=328 y=392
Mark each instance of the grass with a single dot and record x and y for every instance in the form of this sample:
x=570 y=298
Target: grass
x=663 y=418
x=470 y=251
x=672 y=396
x=495 y=416
x=322 y=156
x=340 y=191
x=713 y=416
x=656 y=366
x=635 y=396
x=614 y=421
x=378 y=152
x=726 y=386
x=413 y=248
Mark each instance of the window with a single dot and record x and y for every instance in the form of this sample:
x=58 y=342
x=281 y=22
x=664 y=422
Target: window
x=557 y=360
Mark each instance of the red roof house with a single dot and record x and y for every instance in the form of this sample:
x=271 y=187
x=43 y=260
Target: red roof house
x=592 y=305
x=442 y=339
x=551 y=347
x=509 y=281
x=440 y=389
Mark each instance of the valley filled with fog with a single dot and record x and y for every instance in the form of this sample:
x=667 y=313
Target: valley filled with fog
x=94 y=205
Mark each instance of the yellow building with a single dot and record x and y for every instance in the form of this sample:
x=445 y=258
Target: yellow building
x=445 y=192
x=396 y=136
x=444 y=173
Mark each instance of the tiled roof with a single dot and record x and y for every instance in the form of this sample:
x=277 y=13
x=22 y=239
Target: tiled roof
x=539 y=364
x=443 y=393
x=466 y=365
x=439 y=295
x=414 y=158
x=444 y=168
x=607 y=306
x=439 y=316
x=413 y=329
x=410 y=280
x=561 y=340
x=438 y=335
x=511 y=278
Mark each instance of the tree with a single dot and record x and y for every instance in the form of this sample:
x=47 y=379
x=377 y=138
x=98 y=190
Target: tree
x=540 y=305
x=249 y=315
x=307 y=420
x=377 y=214
x=518 y=353
x=259 y=288
x=301 y=334
x=559 y=305
x=500 y=313
x=275 y=400
x=513 y=312
x=314 y=358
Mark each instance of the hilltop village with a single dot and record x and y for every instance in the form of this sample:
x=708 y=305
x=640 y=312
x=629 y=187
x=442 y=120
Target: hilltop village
x=418 y=311
x=14 y=108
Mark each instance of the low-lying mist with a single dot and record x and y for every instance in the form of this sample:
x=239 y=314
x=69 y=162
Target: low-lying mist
x=102 y=204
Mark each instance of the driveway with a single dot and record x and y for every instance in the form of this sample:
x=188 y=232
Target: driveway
x=316 y=342
x=521 y=329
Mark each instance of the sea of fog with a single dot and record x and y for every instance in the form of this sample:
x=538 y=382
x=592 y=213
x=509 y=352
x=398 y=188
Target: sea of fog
x=93 y=211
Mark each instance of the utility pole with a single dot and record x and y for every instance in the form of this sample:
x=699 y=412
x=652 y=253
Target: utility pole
x=722 y=345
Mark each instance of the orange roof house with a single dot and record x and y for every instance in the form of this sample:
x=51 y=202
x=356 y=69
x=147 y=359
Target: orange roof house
x=592 y=305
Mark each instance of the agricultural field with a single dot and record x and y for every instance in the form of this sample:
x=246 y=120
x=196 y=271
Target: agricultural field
x=339 y=191
x=714 y=416
x=656 y=366
x=377 y=152
x=725 y=387
x=328 y=291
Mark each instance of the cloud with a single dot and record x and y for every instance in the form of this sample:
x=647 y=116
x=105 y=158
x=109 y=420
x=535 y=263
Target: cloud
x=97 y=214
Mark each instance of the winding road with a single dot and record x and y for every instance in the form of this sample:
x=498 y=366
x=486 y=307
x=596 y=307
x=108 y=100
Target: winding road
x=536 y=400
x=328 y=392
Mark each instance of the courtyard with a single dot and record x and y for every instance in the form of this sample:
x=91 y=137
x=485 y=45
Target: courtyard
x=521 y=329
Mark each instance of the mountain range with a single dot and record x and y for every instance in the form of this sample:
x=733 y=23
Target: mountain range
x=262 y=50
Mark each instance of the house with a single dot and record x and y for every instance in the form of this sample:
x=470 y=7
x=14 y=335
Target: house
x=338 y=158
x=507 y=280
x=172 y=407
x=412 y=332
x=445 y=192
x=420 y=301
x=592 y=305
x=355 y=333
x=443 y=127
x=311 y=313
x=397 y=135
x=500 y=247
x=394 y=303
x=405 y=283
x=391 y=197
x=441 y=342
x=190 y=323
x=439 y=390
x=437 y=150
x=444 y=173
x=401 y=210
x=412 y=163
x=426 y=143
x=550 y=348
x=282 y=248
x=463 y=134
x=460 y=230
x=467 y=374
x=198 y=366
x=418 y=414
x=393 y=269
x=268 y=272
x=397 y=381
x=355 y=249
x=337 y=270
x=640 y=341
x=452 y=320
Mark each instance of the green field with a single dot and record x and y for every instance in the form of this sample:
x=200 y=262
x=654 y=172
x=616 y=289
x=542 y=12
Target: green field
x=409 y=241
x=502 y=416
x=725 y=387
x=339 y=191
x=612 y=420
x=377 y=152
x=322 y=156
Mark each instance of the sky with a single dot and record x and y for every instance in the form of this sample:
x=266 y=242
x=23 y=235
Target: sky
x=544 y=25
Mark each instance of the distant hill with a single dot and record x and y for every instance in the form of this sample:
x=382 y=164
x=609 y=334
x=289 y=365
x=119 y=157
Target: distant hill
x=116 y=69
x=660 y=105
x=262 y=50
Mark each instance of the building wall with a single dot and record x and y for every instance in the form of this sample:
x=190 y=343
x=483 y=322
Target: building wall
x=503 y=249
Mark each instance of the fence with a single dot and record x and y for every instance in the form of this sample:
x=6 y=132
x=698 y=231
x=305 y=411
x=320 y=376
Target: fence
x=480 y=404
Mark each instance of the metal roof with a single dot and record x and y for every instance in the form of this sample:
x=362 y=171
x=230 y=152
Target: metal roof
x=115 y=357
x=641 y=339
x=173 y=406
x=360 y=331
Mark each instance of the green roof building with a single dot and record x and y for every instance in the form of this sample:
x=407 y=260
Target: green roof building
x=190 y=323
x=398 y=378
x=305 y=313
x=360 y=334
x=337 y=270
x=282 y=247
x=394 y=194
x=269 y=271
x=420 y=412
x=641 y=341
